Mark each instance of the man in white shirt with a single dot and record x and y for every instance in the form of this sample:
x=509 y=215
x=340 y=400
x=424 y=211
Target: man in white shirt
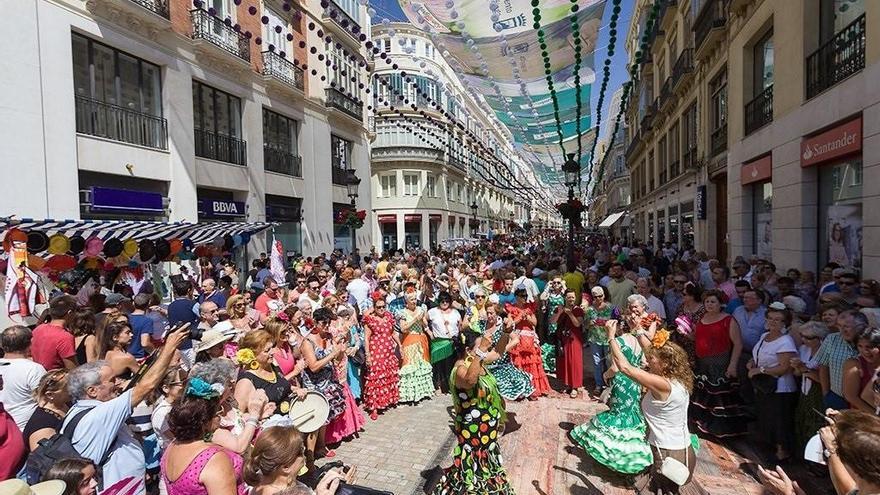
x=523 y=281
x=655 y=305
x=359 y=288
x=20 y=373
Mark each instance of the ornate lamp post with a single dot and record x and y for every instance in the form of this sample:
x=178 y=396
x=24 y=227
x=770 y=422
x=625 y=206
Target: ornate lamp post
x=474 y=219
x=352 y=182
x=572 y=170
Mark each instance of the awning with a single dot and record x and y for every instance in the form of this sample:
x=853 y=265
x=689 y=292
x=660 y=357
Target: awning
x=611 y=219
x=627 y=221
x=387 y=219
x=198 y=233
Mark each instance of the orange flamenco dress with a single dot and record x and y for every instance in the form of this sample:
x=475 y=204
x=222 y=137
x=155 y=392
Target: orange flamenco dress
x=527 y=354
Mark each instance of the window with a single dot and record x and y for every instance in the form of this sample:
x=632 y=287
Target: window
x=107 y=75
x=718 y=112
x=280 y=132
x=763 y=60
x=342 y=71
x=411 y=184
x=431 y=186
x=459 y=195
x=340 y=152
x=834 y=15
x=216 y=111
x=450 y=187
x=661 y=160
x=689 y=128
x=762 y=219
x=386 y=45
x=674 y=140
x=271 y=38
x=388 y=183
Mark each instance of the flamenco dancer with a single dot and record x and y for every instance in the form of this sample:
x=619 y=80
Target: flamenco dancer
x=479 y=415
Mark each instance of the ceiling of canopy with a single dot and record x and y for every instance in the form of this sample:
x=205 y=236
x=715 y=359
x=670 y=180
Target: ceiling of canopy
x=523 y=58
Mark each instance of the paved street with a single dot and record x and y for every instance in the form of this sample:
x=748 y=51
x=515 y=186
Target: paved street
x=402 y=451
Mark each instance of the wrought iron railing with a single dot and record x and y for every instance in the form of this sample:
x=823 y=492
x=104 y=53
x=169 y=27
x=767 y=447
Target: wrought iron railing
x=711 y=16
x=220 y=147
x=719 y=139
x=97 y=118
x=342 y=18
x=840 y=57
x=339 y=176
x=280 y=68
x=759 y=111
x=336 y=99
x=665 y=92
x=158 y=7
x=214 y=30
x=683 y=65
x=277 y=158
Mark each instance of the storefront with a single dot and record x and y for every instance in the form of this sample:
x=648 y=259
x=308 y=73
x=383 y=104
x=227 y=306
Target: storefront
x=341 y=232
x=111 y=197
x=686 y=210
x=287 y=213
x=433 y=226
x=673 y=225
x=837 y=153
x=756 y=178
x=451 y=228
x=412 y=231
x=661 y=227
x=220 y=206
x=461 y=229
x=388 y=228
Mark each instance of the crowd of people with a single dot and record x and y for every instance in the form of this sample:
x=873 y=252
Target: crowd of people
x=186 y=392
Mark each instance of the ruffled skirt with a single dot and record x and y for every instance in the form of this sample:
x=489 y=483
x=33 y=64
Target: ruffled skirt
x=416 y=374
x=348 y=422
x=616 y=439
x=527 y=357
x=716 y=407
x=513 y=383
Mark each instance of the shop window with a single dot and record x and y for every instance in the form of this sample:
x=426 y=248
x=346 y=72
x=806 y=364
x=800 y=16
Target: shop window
x=840 y=214
x=762 y=220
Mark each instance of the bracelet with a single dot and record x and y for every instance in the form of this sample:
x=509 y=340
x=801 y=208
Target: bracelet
x=481 y=354
x=251 y=421
x=827 y=453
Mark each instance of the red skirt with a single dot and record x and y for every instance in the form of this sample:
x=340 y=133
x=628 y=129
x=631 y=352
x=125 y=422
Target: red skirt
x=527 y=357
x=570 y=365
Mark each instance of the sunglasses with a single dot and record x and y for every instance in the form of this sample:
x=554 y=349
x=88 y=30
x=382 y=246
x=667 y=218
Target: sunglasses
x=379 y=306
x=479 y=297
x=239 y=305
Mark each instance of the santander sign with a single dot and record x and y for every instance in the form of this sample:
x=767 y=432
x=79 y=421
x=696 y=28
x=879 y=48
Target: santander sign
x=834 y=143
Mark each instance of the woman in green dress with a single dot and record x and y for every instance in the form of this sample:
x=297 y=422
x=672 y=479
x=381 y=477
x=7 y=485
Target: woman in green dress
x=416 y=375
x=553 y=296
x=479 y=416
x=616 y=438
x=513 y=383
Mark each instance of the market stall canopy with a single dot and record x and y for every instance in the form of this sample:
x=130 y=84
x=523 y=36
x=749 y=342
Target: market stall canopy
x=611 y=219
x=196 y=233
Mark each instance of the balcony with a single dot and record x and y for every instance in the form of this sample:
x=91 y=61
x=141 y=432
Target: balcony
x=689 y=159
x=709 y=27
x=104 y=120
x=719 y=140
x=220 y=147
x=339 y=176
x=218 y=34
x=666 y=99
x=345 y=104
x=633 y=145
x=645 y=126
x=147 y=17
x=279 y=159
x=158 y=7
x=383 y=152
x=341 y=21
x=683 y=69
x=759 y=111
x=278 y=68
x=667 y=12
x=840 y=57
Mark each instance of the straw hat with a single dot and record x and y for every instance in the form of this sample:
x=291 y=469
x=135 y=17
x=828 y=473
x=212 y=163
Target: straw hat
x=59 y=244
x=94 y=246
x=18 y=487
x=130 y=248
x=37 y=241
x=211 y=338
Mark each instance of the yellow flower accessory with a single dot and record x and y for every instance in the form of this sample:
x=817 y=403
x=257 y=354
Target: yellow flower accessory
x=661 y=336
x=247 y=359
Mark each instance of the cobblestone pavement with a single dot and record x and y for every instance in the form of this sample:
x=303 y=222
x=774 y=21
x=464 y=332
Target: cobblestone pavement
x=403 y=451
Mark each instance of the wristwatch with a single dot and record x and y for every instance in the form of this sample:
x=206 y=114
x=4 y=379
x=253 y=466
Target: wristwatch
x=481 y=354
x=763 y=370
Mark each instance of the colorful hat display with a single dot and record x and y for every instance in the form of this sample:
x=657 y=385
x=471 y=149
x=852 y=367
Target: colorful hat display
x=163 y=249
x=59 y=244
x=61 y=262
x=146 y=250
x=94 y=246
x=130 y=247
x=77 y=245
x=176 y=246
x=13 y=234
x=113 y=248
x=37 y=241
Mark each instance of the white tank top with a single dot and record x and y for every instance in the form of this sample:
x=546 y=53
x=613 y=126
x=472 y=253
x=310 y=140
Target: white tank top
x=667 y=420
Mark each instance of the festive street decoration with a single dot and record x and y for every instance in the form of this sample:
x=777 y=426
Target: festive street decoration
x=351 y=218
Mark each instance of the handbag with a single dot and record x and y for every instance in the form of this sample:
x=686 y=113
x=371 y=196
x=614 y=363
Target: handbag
x=764 y=383
x=674 y=470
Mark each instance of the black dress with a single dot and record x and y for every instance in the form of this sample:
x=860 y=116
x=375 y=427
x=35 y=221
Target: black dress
x=278 y=390
x=42 y=418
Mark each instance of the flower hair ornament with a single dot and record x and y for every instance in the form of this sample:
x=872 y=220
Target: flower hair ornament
x=661 y=336
x=247 y=359
x=203 y=390
x=281 y=315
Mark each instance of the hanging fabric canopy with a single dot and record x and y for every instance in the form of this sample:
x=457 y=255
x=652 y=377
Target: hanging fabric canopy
x=197 y=233
x=611 y=219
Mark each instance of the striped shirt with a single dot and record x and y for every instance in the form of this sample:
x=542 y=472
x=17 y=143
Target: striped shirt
x=833 y=353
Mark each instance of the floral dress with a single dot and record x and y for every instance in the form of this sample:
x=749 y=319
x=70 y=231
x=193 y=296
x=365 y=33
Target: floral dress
x=527 y=354
x=416 y=374
x=476 y=465
x=548 y=350
x=616 y=438
x=381 y=386
x=324 y=381
x=513 y=383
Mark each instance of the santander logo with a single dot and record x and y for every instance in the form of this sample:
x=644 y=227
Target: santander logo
x=842 y=140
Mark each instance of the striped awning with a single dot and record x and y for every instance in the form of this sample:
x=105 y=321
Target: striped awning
x=611 y=219
x=198 y=233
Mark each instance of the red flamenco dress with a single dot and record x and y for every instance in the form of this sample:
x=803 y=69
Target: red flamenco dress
x=381 y=388
x=570 y=365
x=527 y=354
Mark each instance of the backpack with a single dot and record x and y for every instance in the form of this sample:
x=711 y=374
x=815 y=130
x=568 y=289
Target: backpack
x=55 y=448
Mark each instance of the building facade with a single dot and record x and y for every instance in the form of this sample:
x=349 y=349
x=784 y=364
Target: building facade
x=424 y=182
x=181 y=110
x=804 y=166
x=612 y=201
x=666 y=149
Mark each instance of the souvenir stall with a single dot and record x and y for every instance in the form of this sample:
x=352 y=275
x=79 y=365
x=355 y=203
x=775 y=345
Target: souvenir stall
x=43 y=258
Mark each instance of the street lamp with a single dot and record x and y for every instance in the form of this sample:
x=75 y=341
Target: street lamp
x=572 y=171
x=352 y=182
x=474 y=213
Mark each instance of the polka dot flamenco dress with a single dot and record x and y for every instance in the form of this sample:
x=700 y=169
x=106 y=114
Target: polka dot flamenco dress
x=513 y=383
x=381 y=386
x=476 y=465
